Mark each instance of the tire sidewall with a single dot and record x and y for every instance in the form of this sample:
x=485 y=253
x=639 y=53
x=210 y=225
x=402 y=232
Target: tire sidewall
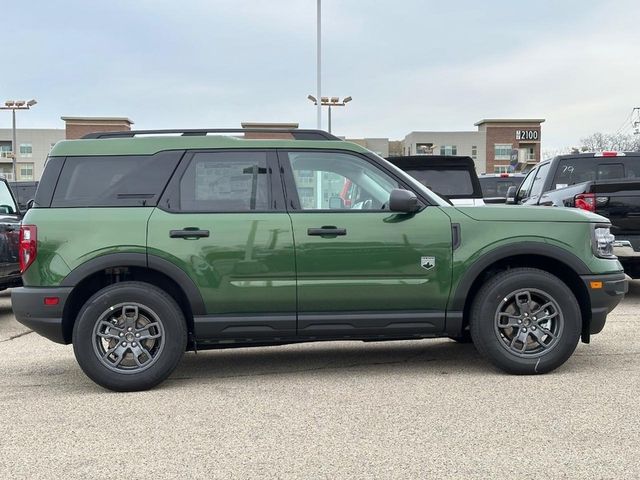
x=158 y=301
x=483 y=321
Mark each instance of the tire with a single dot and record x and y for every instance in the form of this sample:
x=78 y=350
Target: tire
x=514 y=333
x=129 y=336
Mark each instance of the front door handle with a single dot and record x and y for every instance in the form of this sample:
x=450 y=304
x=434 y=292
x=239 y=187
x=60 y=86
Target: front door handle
x=327 y=231
x=189 y=232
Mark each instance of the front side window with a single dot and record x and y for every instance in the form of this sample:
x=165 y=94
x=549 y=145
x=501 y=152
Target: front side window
x=225 y=182
x=538 y=182
x=525 y=188
x=341 y=182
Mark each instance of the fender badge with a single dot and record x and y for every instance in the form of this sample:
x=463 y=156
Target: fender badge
x=427 y=262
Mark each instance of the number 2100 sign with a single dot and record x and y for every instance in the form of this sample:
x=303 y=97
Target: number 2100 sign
x=526 y=135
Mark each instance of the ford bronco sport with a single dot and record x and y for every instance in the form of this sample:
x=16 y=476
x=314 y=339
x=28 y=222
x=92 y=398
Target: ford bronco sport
x=142 y=245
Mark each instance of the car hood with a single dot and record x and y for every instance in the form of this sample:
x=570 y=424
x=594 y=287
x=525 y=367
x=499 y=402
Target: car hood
x=521 y=213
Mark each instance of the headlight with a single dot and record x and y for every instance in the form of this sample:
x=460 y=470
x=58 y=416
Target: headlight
x=602 y=241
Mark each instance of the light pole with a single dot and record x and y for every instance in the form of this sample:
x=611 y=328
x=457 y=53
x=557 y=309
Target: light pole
x=329 y=102
x=14 y=105
x=319 y=61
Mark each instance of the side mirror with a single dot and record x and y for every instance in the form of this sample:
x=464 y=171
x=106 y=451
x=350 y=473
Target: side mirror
x=30 y=204
x=511 y=195
x=403 y=201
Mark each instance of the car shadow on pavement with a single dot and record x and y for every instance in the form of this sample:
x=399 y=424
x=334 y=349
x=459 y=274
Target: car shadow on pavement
x=332 y=358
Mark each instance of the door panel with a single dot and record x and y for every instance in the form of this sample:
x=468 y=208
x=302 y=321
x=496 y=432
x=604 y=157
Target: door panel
x=377 y=266
x=241 y=261
x=363 y=270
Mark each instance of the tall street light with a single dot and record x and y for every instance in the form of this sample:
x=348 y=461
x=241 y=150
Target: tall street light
x=14 y=105
x=319 y=61
x=329 y=102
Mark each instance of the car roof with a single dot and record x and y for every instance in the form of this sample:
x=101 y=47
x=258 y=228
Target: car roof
x=148 y=145
x=621 y=155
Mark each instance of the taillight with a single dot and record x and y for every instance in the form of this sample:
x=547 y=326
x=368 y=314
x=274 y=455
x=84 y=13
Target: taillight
x=28 y=246
x=586 y=201
x=609 y=153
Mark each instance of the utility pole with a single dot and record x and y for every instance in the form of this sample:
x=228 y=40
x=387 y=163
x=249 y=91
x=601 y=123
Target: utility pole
x=319 y=63
x=14 y=105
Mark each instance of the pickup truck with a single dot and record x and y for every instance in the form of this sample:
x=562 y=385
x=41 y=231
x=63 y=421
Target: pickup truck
x=9 y=232
x=496 y=185
x=451 y=177
x=607 y=183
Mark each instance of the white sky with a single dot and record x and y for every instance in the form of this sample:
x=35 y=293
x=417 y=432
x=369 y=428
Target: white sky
x=409 y=65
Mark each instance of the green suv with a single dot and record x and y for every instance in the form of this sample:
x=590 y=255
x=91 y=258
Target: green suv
x=142 y=245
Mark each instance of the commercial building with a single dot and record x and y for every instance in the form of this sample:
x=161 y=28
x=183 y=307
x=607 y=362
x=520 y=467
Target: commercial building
x=34 y=144
x=497 y=146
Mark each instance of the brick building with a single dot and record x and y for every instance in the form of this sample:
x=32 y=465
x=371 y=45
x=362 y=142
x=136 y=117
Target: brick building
x=78 y=127
x=510 y=139
x=497 y=146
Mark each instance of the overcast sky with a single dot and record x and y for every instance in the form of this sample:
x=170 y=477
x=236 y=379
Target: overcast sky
x=408 y=64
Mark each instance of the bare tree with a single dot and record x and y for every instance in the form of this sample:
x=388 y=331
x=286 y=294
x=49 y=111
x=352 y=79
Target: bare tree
x=597 y=142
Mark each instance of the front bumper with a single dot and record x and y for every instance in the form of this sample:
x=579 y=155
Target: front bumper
x=605 y=292
x=30 y=310
x=624 y=248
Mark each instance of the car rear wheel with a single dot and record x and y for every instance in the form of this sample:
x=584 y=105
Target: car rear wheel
x=525 y=321
x=129 y=336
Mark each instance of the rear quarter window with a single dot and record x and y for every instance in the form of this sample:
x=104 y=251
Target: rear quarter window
x=114 y=181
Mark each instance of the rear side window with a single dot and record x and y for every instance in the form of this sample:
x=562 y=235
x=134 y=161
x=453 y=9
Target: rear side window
x=114 y=181
x=226 y=182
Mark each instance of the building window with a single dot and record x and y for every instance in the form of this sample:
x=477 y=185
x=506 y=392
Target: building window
x=448 y=150
x=502 y=151
x=5 y=150
x=531 y=154
x=424 y=148
x=26 y=150
x=474 y=152
x=25 y=171
x=501 y=169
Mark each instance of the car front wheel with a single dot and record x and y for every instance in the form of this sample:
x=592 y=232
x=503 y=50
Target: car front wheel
x=526 y=321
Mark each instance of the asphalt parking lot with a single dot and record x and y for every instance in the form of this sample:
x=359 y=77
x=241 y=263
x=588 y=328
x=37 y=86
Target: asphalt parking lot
x=420 y=409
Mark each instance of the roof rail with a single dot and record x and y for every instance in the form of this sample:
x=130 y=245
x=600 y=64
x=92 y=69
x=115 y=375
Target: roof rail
x=296 y=133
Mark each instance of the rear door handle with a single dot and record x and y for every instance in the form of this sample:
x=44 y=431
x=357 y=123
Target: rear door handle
x=326 y=231
x=189 y=232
